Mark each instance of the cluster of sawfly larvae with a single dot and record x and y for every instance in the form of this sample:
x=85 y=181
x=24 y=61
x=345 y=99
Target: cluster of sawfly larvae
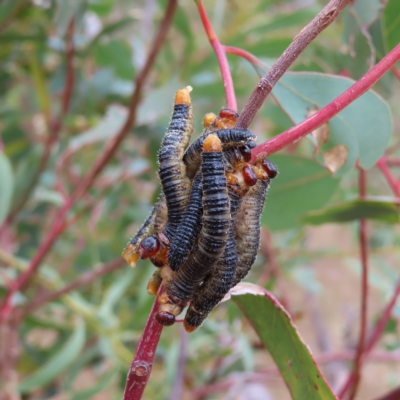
x=203 y=234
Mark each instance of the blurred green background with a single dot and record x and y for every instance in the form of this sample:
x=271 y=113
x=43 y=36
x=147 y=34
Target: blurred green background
x=79 y=346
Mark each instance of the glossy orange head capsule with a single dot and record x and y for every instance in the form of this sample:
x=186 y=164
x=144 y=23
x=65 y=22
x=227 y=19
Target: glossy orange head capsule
x=149 y=247
x=249 y=176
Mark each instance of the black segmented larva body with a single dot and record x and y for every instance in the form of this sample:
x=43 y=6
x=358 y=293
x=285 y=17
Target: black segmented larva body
x=153 y=224
x=221 y=279
x=229 y=138
x=248 y=228
x=214 y=233
x=189 y=228
x=172 y=171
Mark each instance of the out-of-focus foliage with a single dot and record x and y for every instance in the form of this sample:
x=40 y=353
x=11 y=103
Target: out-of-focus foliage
x=80 y=345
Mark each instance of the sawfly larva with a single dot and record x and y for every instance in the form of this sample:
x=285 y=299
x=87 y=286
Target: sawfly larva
x=212 y=238
x=172 y=170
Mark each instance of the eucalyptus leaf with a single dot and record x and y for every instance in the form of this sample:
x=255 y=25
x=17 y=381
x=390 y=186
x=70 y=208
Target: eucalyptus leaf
x=280 y=337
x=364 y=127
x=301 y=186
x=384 y=211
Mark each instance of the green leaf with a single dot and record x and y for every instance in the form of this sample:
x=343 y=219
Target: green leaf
x=392 y=23
x=367 y=11
x=280 y=337
x=364 y=127
x=58 y=363
x=117 y=55
x=301 y=185
x=285 y=21
x=384 y=211
x=6 y=186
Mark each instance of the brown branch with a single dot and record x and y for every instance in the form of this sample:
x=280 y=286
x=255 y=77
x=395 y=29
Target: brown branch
x=83 y=280
x=300 y=42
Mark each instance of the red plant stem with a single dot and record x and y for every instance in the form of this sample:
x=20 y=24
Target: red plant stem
x=393 y=161
x=393 y=183
x=376 y=334
x=244 y=54
x=142 y=363
x=380 y=326
x=87 y=181
x=363 y=237
x=221 y=56
x=329 y=111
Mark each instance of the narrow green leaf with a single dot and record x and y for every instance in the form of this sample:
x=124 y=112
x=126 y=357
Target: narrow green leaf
x=276 y=330
x=392 y=23
x=6 y=186
x=364 y=127
x=301 y=186
x=58 y=363
x=384 y=211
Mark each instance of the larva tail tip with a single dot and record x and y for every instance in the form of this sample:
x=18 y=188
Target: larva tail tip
x=189 y=328
x=212 y=144
x=182 y=96
x=208 y=119
x=130 y=256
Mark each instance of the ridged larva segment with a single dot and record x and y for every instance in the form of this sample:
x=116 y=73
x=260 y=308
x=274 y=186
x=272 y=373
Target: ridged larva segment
x=189 y=229
x=213 y=236
x=248 y=228
x=222 y=276
x=229 y=137
x=172 y=170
